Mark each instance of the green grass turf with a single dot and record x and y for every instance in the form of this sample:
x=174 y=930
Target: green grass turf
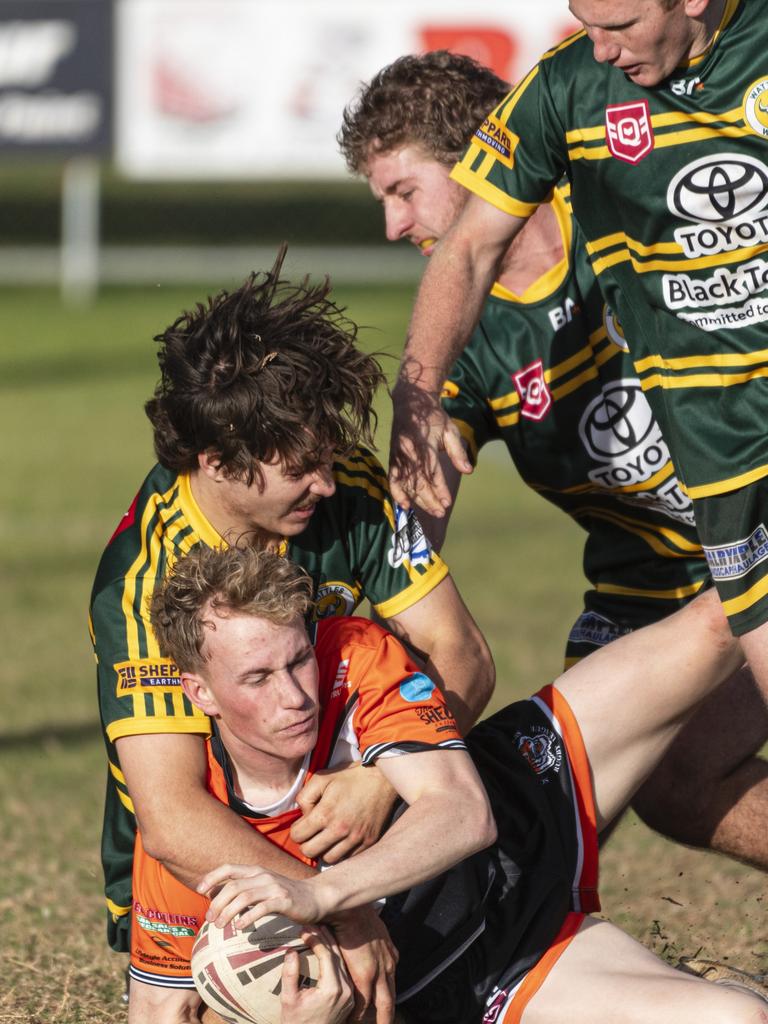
x=76 y=445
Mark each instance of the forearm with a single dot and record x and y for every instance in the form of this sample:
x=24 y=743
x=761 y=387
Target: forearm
x=206 y=833
x=464 y=670
x=454 y=287
x=183 y=825
x=414 y=849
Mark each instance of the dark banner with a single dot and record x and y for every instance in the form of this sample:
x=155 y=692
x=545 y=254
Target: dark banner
x=56 y=76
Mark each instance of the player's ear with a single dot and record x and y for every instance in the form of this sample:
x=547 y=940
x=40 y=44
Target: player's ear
x=209 y=462
x=198 y=691
x=696 y=8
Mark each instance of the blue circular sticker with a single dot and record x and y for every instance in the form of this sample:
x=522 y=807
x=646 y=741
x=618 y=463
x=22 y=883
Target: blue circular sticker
x=416 y=688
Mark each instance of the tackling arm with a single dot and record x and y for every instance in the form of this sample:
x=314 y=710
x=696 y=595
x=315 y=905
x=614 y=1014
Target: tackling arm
x=182 y=825
x=448 y=818
x=441 y=630
x=456 y=282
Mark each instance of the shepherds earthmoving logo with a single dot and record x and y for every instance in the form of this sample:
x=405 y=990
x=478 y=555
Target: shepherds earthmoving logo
x=619 y=432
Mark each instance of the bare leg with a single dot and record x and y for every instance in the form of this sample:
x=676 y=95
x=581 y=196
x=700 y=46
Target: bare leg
x=151 y=1004
x=632 y=697
x=605 y=977
x=710 y=790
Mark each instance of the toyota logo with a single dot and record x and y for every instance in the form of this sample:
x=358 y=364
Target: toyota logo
x=718 y=188
x=617 y=422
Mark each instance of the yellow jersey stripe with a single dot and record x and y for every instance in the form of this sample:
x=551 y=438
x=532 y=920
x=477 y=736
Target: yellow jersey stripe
x=733 y=483
x=734 y=605
x=663 y=595
x=646 y=531
x=688 y=362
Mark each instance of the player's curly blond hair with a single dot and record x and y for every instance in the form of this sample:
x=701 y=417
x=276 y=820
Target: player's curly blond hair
x=436 y=99
x=235 y=580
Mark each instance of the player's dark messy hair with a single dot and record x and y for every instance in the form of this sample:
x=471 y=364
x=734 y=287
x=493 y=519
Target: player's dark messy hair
x=437 y=99
x=268 y=371
x=235 y=580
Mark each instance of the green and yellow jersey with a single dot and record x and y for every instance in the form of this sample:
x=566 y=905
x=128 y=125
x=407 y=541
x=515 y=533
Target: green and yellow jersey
x=670 y=187
x=357 y=545
x=549 y=374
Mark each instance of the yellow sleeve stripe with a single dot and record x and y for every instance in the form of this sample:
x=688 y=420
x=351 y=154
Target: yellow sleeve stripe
x=493 y=195
x=115 y=910
x=132 y=576
x=732 y=483
x=126 y=801
x=365 y=483
x=689 y=362
x=418 y=589
x=510 y=101
x=734 y=605
x=662 y=595
x=198 y=724
x=115 y=771
x=649 y=533
x=701 y=380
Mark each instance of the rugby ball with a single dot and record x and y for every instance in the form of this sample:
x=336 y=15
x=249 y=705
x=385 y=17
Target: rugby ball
x=238 y=973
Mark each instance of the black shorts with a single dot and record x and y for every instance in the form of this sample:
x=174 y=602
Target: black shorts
x=476 y=943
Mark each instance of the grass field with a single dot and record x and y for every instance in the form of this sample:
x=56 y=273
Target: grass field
x=76 y=445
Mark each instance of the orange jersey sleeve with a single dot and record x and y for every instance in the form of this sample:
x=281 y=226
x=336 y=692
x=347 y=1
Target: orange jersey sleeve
x=371 y=686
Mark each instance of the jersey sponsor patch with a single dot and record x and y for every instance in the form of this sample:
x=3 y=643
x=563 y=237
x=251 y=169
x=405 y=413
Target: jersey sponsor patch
x=541 y=749
x=719 y=188
x=146 y=675
x=494 y=137
x=417 y=688
x=409 y=542
x=755 y=107
x=334 y=598
x=619 y=432
x=596 y=630
x=535 y=396
x=732 y=561
x=628 y=131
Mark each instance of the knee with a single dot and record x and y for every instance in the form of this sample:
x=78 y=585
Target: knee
x=152 y=1004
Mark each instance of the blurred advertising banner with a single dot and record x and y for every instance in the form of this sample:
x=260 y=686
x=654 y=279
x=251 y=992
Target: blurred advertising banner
x=256 y=88
x=55 y=76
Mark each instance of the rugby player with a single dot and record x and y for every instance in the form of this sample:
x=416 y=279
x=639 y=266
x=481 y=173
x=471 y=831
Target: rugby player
x=263 y=403
x=498 y=932
x=546 y=370
x=656 y=114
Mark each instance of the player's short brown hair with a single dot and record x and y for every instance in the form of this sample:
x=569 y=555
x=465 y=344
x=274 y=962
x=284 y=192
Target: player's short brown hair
x=235 y=580
x=436 y=100
x=269 y=370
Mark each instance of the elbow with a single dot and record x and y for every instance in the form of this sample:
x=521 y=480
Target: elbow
x=155 y=844
x=488 y=830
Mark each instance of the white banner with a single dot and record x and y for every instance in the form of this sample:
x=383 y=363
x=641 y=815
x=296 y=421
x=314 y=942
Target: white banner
x=256 y=88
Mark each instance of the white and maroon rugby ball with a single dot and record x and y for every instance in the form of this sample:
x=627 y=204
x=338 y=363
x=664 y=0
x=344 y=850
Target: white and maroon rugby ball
x=239 y=973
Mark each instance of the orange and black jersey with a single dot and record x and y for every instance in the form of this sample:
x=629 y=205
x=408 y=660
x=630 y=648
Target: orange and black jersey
x=374 y=702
